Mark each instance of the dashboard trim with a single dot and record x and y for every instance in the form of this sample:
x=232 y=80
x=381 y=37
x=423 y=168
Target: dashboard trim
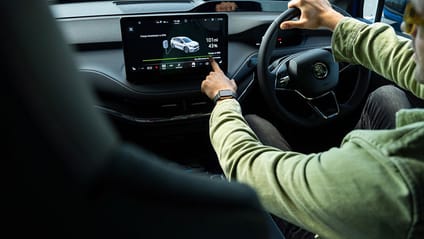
x=152 y=120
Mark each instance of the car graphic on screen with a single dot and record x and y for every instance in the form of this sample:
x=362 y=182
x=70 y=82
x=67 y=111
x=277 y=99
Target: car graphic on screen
x=184 y=44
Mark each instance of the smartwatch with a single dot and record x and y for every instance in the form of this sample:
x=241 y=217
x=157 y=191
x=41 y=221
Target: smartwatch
x=224 y=94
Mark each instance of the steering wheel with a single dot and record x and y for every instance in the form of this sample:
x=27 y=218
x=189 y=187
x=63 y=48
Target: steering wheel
x=310 y=77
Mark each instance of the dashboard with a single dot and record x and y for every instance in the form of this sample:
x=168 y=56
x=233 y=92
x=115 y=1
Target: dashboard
x=129 y=52
x=163 y=109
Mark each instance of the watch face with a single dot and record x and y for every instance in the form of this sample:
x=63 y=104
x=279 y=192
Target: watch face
x=223 y=93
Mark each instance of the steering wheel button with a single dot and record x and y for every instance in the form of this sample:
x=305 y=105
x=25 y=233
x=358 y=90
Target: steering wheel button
x=282 y=82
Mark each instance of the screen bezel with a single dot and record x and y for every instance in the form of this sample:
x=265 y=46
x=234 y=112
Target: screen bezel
x=176 y=75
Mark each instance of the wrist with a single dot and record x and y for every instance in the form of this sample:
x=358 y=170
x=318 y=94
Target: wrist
x=331 y=19
x=224 y=94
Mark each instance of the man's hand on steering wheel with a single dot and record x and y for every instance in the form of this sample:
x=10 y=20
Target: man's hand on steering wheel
x=314 y=14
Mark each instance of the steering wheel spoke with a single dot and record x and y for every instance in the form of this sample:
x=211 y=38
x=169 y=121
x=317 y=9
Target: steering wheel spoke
x=325 y=105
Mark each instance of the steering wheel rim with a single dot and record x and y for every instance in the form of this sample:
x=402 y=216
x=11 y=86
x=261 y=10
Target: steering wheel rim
x=268 y=87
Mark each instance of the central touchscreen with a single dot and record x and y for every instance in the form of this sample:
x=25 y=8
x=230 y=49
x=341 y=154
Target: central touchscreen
x=173 y=47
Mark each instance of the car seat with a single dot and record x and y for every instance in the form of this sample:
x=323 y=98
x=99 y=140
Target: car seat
x=67 y=174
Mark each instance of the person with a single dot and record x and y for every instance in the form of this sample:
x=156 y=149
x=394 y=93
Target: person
x=226 y=7
x=368 y=187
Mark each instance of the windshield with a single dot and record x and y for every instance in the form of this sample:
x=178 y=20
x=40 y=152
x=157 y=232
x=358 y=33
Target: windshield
x=88 y=8
x=187 y=40
x=245 y=4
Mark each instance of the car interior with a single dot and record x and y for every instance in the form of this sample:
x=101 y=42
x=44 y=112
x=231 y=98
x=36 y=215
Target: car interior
x=107 y=129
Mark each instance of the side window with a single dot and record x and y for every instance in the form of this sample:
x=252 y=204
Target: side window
x=393 y=9
x=392 y=12
x=395 y=6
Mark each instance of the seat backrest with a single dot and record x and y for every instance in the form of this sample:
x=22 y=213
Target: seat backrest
x=66 y=173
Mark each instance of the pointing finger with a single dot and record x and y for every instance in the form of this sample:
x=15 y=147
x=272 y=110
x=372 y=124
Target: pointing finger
x=214 y=64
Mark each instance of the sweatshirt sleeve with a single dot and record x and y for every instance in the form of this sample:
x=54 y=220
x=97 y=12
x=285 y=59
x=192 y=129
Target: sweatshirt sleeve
x=378 y=48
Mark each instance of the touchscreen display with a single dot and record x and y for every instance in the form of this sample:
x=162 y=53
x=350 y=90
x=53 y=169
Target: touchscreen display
x=173 y=47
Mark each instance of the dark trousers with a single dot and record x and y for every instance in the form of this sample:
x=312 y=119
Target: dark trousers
x=381 y=106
